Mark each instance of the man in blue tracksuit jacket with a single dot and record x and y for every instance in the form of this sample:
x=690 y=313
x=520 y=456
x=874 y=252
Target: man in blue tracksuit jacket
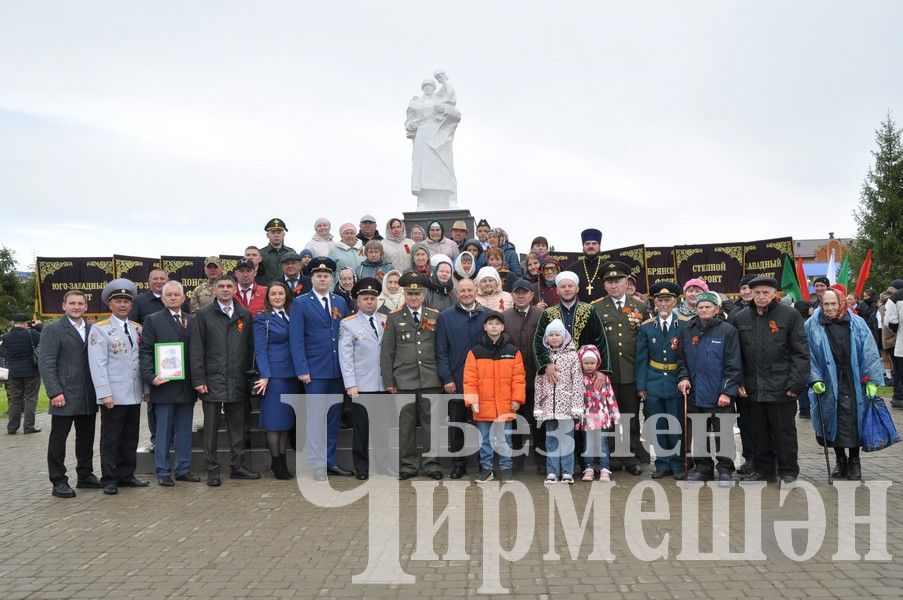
x=458 y=329
x=710 y=370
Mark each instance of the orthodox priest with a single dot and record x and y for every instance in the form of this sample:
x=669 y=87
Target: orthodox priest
x=589 y=267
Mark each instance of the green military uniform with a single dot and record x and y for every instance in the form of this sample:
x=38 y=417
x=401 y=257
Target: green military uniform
x=621 y=328
x=203 y=294
x=408 y=363
x=271 y=268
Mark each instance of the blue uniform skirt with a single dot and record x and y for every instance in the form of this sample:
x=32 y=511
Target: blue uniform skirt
x=274 y=414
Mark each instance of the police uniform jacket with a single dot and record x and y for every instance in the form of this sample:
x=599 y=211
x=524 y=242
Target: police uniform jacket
x=160 y=328
x=314 y=335
x=359 y=351
x=656 y=357
x=114 y=362
x=221 y=351
x=408 y=353
x=271 y=346
x=621 y=334
x=63 y=362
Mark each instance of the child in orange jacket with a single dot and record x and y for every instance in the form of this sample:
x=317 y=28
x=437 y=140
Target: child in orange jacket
x=495 y=385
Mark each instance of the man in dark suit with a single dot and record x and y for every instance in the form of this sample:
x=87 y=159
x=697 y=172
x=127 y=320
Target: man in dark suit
x=521 y=321
x=314 y=341
x=221 y=351
x=64 y=369
x=146 y=304
x=18 y=346
x=171 y=394
x=621 y=317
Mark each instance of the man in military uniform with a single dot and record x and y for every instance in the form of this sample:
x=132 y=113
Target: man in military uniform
x=621 y=316
x=314 y=341
x=272 y=253
x=205 y=293
x=360 y=336
x=588 y=268
x=113 y=358
x=408 y=361
x=656 y=375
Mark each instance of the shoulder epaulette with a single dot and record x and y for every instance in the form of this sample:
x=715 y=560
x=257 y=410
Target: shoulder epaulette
x=397 y=310
x=103 y=322
x=349 y=317
x=649 y=320
x=431 y=309
x=597 y=300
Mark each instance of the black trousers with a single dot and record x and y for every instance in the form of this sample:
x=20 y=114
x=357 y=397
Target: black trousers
x=235 y=423
x=60 y=426
x=704 y=463
x=898 y=379
x=744 y=407
x=457 y=413
x=119 y=430
x=152 y=422
x=628 y=402
x=23 y=397
x=360 y=437
x=773 y=429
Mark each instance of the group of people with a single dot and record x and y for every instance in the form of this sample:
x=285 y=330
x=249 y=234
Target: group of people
x=574 y=352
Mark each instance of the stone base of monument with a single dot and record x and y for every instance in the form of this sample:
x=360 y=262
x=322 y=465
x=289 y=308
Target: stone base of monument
x=446 y=216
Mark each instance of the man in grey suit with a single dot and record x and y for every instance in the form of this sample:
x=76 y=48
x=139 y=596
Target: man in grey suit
x=64 y=370
x=360 y=336
x=115 y=370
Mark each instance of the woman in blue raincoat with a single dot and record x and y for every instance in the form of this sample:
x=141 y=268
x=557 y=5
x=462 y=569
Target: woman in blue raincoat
x=846 y=369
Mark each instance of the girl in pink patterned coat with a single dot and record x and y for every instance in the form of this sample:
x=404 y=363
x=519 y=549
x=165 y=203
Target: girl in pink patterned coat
x=600 y=413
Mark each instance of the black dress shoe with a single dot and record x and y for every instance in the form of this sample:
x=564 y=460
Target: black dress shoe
x=361 y=476
x=165 y=481
x=756 y=476
x=746 y=469
x=339 y=471
x=213 y=480
x=62 y=490
x=404 y=476
x=110 y=489
x=787 y=479
x=188 y=477
x=243 y=473
x=133 y=481
x=458 y=472
x=658 y=474
x=635 y=469
x=854 y=470
x=437 y=475
x=89 y=482
x=32 y=430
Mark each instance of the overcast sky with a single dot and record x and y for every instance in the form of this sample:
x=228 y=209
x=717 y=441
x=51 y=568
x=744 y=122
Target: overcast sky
x=182 y=127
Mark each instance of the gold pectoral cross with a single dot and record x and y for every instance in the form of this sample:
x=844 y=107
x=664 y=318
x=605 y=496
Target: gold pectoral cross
x=589 y=288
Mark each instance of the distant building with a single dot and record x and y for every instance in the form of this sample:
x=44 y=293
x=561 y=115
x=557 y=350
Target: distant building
x=817 y=252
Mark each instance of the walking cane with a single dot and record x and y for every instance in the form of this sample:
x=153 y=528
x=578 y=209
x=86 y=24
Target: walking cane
x=686 y=438
x=824 y=437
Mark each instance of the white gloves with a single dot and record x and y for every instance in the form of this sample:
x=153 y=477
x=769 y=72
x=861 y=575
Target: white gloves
x=537 y=414
x=475 y=407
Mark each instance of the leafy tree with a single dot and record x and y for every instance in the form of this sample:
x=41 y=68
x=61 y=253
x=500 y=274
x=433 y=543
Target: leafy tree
x=880 y=213
x=14 y=292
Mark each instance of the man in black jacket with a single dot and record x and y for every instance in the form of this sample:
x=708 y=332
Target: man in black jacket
x=63 y=363
x=221 y=352
x=775 y=371
x=18 y=346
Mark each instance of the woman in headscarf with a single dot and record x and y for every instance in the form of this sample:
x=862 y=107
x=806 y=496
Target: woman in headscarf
x=437 y=243
x=392 y=296
x=845 y=370
x=418 y=234
x=397 y=246
x=489 y=290
x=547 y=290
x=348 y=251
x=465 y=266
x=321 y=243
x=420 y=259
x=440 y=294
x=498 y=238
x=345 y=279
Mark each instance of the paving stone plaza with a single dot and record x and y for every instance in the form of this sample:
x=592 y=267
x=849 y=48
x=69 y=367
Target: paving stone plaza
x=265 y=539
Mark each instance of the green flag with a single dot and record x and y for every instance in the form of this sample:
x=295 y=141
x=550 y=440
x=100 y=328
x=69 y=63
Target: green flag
x=843 y=276
x=789 y=284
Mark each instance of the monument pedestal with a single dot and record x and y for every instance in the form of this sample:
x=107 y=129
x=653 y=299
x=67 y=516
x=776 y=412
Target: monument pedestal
x=447 y=217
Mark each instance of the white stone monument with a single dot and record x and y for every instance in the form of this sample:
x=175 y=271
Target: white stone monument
x=431 y=122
